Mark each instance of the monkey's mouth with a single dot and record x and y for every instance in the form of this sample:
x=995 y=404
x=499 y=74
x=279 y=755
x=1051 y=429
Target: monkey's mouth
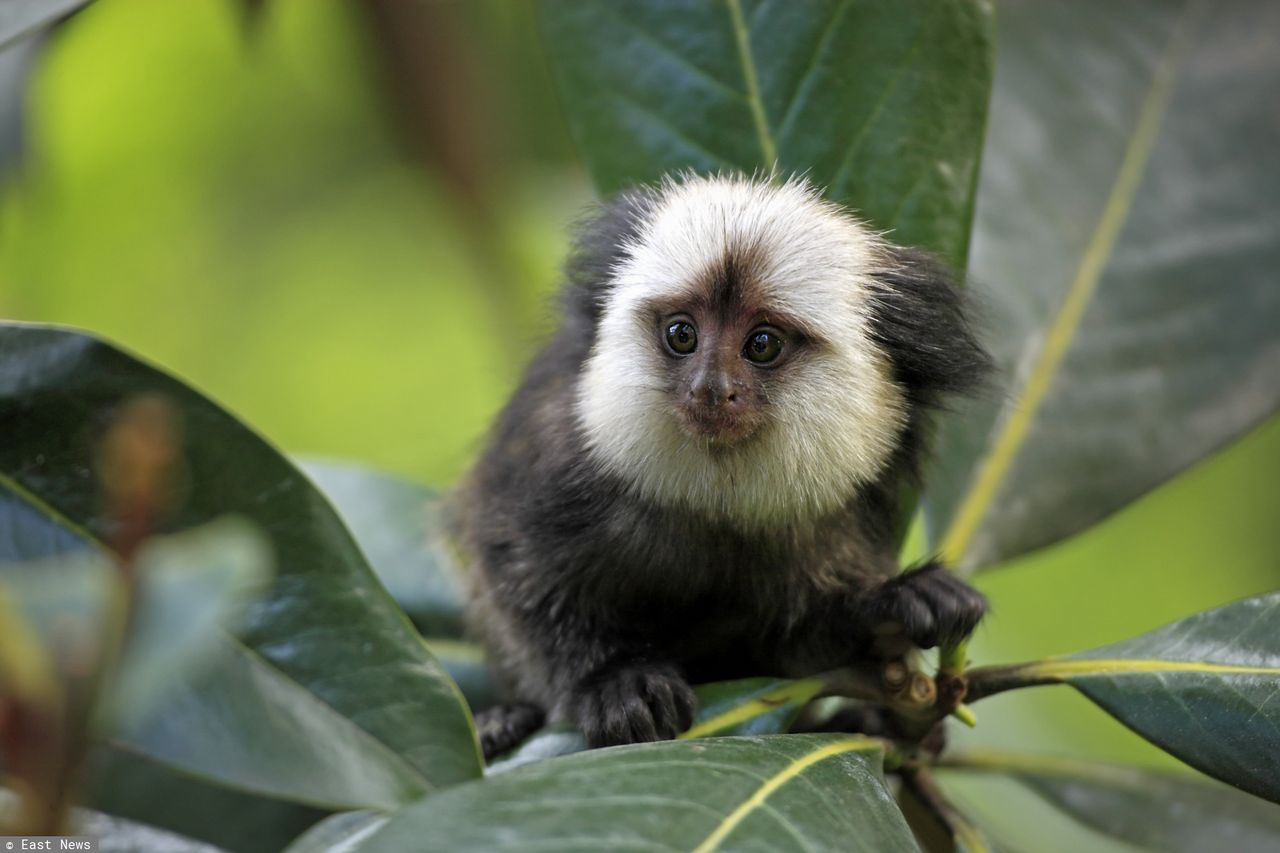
x=717 y=427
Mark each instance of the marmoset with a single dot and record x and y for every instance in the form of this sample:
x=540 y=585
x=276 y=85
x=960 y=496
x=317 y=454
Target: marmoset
x=699 y=476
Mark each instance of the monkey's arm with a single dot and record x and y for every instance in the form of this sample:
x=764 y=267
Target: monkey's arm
x=583 y=667
x=922 y=607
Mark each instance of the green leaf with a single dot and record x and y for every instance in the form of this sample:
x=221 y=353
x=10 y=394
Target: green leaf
x=246 y=726
x=1127 y=258
x=785 y=792
x=752 y=706
x=192 y=585
x=882 y=104
x=339 y=833
x=1154 y=809
x=325 y=623
x=22 y=18
x=114 y=833
x=1201 y=688
x=130 y=786
x=396 y=524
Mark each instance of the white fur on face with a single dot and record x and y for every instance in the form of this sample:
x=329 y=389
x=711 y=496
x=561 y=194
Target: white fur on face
x=835 y=420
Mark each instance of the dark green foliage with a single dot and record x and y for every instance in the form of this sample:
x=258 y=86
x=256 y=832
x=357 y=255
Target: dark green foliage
x=882 y=104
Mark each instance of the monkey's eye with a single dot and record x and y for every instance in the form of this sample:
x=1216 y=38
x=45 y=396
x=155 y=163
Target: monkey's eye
x=763 y=346
x=682 y=337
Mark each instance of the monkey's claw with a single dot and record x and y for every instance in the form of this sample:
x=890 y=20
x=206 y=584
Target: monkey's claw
x=931 y=604
x=634 y=703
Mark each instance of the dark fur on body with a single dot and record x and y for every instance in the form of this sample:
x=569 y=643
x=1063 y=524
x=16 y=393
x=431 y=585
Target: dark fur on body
x=601 y=607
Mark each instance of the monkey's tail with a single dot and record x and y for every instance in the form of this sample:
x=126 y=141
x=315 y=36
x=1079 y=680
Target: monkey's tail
x=503 y=726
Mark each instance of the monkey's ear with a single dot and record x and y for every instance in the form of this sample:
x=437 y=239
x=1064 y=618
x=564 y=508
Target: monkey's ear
x=600 y=243
x=922 y=319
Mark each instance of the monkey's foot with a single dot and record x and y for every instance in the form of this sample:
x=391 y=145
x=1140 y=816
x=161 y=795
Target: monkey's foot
x=931 y=605
x=503 y=726
x=634 y=703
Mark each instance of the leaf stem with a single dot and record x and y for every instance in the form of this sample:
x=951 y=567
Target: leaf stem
x=953 y=658
x=989 y=680
x=965 y=714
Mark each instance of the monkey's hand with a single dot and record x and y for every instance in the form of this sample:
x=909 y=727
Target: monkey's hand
x=635 y=702
x=930 y=605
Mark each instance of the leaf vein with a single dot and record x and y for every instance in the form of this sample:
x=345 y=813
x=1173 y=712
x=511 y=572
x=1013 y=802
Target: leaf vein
x=742 y=40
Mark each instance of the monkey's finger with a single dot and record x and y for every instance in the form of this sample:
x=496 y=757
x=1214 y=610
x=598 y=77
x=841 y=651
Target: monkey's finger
x=957 y=607
x=640 y=723
x=662 y=702
x=907 y=608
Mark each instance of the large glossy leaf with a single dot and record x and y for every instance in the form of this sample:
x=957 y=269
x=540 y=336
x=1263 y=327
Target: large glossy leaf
x=116 y=835
x=324 y=624
x=339 y=833
x=1126 y=241
x=396 y=524
x=880 y=103
x=21 y=18
x=1202 y=688
x=786 y=792
x=1153 y=809
x=132 y=786
x=243 y=724
x=193 y=584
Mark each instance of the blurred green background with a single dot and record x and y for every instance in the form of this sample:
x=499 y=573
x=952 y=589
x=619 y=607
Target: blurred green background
x=250 y=202
x=344 y=221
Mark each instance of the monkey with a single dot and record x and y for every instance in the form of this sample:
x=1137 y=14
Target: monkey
x=699 y=476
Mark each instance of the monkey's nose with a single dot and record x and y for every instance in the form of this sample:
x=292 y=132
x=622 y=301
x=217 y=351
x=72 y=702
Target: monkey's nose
x=714 y=391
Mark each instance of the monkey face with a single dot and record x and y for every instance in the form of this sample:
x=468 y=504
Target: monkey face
x=734 y=368
x=719 y=395
x=723 y=355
